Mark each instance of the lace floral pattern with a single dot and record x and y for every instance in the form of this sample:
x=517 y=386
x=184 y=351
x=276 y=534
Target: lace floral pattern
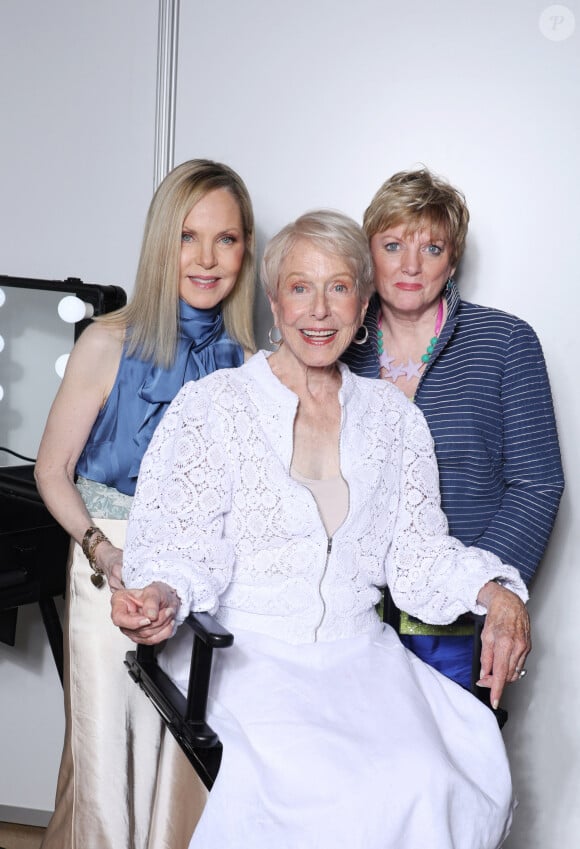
x=217 y=516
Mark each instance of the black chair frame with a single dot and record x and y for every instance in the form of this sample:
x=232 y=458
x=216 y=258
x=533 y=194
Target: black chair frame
x=185 y=717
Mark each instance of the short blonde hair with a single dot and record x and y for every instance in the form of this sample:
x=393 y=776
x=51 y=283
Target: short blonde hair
x=418 y=199
x=330 y=231
x=152 y=315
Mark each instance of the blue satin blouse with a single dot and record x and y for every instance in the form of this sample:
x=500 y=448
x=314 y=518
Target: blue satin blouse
x=143 y=391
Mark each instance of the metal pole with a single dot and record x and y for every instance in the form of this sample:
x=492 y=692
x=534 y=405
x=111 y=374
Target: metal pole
x=168 y=28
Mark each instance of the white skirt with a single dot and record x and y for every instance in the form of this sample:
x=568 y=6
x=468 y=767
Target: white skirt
x=353 y=744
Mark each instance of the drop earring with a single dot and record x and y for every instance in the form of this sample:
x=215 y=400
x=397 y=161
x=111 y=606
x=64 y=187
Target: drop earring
x=275 y=343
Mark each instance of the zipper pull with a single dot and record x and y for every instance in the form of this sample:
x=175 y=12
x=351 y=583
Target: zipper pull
x=329 y=546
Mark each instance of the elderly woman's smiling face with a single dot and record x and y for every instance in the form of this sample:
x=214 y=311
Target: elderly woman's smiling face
x=317 y=308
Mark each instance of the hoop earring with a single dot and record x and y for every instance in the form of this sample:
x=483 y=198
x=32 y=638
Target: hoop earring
x=275 y=343
x=364 y=337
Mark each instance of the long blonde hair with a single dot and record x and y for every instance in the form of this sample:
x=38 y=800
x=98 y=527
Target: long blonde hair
x=151 y=318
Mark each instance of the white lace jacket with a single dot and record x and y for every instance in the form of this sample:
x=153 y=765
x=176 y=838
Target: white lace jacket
x=217 y=516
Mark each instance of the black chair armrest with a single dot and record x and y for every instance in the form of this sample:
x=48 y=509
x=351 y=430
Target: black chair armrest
x=186 y=717
x=482 y=693
x=206 y=626
x=208 y=634
x=478 y=623
x=390 y=612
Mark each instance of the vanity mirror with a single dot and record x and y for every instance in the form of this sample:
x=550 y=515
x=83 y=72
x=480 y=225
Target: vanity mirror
x=39 y=322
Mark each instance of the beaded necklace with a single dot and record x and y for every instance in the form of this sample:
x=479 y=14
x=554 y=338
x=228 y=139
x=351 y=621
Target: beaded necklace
x=393 y=370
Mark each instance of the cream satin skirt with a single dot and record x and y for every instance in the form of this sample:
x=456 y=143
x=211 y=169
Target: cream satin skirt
x=124 y=783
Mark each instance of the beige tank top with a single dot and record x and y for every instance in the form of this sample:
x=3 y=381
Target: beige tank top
x=331 y=496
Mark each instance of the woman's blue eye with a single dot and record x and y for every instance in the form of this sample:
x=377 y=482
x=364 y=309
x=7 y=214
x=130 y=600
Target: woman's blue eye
x=434 y=250
x=228 y=240
x=391 y=247
x=186 y=237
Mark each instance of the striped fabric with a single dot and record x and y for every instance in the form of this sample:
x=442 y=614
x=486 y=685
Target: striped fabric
x=487 y=400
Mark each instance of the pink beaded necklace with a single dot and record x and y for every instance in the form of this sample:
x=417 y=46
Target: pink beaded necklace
x=396 y=370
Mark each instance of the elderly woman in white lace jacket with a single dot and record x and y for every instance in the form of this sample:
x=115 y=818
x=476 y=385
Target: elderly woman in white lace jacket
x=282 y=496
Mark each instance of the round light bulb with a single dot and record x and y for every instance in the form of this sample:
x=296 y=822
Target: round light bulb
x=2 y=297
x=60 y=364
x=1 y=393
x=1 y=343
x=72 y=309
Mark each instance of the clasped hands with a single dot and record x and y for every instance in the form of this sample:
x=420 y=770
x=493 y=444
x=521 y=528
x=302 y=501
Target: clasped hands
x=148 y=615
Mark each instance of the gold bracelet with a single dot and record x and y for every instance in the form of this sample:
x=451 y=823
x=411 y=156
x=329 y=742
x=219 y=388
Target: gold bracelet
x=93 y=536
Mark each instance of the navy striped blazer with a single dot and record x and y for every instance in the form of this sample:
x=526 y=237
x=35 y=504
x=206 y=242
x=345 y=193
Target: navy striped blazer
x=486 y=397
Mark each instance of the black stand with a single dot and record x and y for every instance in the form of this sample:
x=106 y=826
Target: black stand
x=33 y=557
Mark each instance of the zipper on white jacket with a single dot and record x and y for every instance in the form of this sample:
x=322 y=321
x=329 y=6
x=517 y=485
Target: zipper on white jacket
x=328 y=550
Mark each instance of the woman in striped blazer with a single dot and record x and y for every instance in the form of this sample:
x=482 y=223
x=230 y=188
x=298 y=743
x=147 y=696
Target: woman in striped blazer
x=480 y=379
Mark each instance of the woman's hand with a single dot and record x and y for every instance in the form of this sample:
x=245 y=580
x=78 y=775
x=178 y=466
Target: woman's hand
x=109 y=560
x=147 y=615
x=505 y=639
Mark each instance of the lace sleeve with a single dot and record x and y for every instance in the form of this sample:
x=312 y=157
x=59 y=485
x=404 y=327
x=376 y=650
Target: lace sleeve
x=431 y=575
x=175 y=531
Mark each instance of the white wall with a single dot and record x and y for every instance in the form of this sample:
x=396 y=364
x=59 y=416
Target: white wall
x=78 y=109
x=77 y=83
x=316 y=102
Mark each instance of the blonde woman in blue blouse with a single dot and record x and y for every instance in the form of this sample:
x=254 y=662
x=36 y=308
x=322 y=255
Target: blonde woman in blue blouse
x=123 y=784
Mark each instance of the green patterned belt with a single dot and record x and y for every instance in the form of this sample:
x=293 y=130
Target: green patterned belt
x=409 y=625
x=102 y=501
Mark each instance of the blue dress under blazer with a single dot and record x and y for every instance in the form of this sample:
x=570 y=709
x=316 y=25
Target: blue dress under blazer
x=486 y=397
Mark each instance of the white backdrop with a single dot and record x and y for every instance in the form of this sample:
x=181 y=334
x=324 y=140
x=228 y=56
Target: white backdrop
x=315 y=104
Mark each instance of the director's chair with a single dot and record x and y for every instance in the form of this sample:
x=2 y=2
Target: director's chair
x=186 y=717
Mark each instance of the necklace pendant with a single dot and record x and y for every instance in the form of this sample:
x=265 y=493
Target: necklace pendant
x=413 y=369
x=393 y=370
x=97 y=579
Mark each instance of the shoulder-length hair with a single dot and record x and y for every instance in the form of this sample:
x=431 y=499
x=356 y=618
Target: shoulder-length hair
x=151 y=318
